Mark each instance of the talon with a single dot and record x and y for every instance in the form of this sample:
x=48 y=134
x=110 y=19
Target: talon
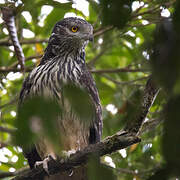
x=44 y=163
x=68 y=153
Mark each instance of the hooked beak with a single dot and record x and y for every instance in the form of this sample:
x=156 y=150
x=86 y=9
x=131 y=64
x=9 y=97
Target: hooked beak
x=88 y=37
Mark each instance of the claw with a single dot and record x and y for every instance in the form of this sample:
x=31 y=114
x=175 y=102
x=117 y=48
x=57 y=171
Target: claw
x=68 y=153
x=44 y=163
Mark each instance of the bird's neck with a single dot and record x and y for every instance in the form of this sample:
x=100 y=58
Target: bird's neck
x=63 y=50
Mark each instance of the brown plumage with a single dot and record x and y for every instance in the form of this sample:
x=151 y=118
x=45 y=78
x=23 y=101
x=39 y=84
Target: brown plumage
x=64 y=62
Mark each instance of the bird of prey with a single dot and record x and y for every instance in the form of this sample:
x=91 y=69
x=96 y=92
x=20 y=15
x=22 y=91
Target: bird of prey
x=64 y=62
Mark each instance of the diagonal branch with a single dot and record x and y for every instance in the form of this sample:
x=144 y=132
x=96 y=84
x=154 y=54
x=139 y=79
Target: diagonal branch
x=118 y=141
x=150 y=92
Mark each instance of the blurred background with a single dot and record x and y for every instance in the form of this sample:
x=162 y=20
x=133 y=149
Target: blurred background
x=132 y=40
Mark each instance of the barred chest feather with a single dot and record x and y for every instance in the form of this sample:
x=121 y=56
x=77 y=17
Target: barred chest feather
x=47 y=79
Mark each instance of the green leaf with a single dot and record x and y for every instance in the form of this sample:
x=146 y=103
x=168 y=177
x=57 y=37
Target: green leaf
x=98 y=171
x=80 y=102
x=37 y=117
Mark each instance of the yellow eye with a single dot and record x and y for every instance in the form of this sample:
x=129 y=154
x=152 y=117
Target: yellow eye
x=74 y=29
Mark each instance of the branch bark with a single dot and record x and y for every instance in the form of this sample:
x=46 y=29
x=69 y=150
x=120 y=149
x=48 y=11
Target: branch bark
x=118 y=141
x=150 y=92
x=8 y=16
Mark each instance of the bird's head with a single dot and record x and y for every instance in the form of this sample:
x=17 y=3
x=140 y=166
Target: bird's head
x=74 y=31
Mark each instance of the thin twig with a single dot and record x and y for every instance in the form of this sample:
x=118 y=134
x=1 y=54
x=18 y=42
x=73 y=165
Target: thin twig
x=101 y=71
x=102 y=30
x=10 y=103
x=30 y=41
x=27 y=59
x=7 y=130
x=125 y=82
x=93 y=61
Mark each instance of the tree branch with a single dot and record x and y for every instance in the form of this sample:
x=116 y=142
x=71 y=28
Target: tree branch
x=100 y=71
x=150 y=93
x=7 y=130
x=118 y=141
x=14 y=100
x=31 y=41
x=8 y=16
x=125 y=82
x=102 y=30
x=34 y=41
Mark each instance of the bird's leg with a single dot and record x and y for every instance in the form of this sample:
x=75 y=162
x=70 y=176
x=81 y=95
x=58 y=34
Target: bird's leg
x=64 y=156
x=45 y=162
x=67 y=154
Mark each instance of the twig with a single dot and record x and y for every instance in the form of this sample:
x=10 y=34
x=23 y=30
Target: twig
x=27 y=59
x=118 y=70
x=100 y=71
x=150 y=125
x=31 y=41
x=127 y=171
x=125 y=82
x=7 y=130
x=6 y=70
x=34 y=41
x=9 y=103
x=8 y=16
x=93 y=61
x=102 y=30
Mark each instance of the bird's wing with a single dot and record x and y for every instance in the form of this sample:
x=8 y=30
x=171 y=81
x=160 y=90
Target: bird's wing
x=88 y=83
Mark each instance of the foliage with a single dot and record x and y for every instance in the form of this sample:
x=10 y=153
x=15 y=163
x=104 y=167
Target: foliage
x=126 y=39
